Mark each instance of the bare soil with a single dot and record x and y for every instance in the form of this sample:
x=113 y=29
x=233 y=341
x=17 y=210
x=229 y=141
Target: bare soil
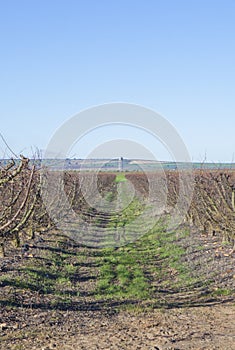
x=197 y=328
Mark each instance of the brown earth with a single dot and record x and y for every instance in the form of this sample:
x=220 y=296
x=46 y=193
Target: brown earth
x=198 y=328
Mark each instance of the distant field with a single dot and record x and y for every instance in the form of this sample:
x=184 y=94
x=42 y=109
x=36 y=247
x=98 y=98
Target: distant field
x=128 y=164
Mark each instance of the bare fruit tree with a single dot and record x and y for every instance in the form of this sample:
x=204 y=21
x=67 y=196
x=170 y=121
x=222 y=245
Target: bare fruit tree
x=18 y=193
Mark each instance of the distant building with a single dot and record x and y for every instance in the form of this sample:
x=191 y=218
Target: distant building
x=120 y=164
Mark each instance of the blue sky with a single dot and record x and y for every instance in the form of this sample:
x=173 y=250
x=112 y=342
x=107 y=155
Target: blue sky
x=176 y=57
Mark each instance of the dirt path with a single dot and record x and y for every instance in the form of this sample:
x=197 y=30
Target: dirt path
x=204 y=328
x=198 y=328
x=181 y=320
